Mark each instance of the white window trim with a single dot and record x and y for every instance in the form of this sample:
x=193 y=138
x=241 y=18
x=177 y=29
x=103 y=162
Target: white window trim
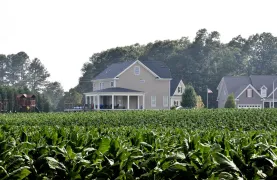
x=249 y=90
x=101 y=85
x=263 y=92
x=165 y=101
x=153 y=99
x=135 y=72
x=112 y=82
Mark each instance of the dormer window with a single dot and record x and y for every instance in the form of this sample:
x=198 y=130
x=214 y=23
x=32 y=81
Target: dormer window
x=179 y=89
x=137 y=70
x=263 y=91
x=249 y=93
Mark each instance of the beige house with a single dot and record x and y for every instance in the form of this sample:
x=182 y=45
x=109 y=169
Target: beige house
x=134 y=85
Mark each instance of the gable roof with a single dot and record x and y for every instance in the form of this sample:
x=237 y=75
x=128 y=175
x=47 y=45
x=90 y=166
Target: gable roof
x=113 y=70
x=236 y=84
x=157 y=67
x=266 y=80
x=173 y=85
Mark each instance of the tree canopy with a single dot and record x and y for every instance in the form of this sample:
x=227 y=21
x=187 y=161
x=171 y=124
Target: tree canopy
x=230 y=102
x=201 y=62
x=189 y=98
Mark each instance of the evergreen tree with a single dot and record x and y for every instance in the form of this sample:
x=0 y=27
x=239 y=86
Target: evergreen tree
x=189 y=98
x=230 y=103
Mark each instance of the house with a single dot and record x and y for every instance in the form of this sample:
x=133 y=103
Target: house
x=177 y=88
x=134 y=85
x=255 y=91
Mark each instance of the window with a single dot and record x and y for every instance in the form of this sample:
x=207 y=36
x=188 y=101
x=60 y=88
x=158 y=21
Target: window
x=142 y=81
x=249 y=93
x=263 y=92
x=93 y=86
x=101 y=85
x=153 y=101
x=176 y=103
x=137 y=70
x=112 y=84
x=179 y=89
x=165 y=101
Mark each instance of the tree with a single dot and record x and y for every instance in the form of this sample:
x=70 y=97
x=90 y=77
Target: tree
x=3 y=66
x=16 y=68
x=230 y=103
x=200 y=103
x=53 y=92
x=37 y=75
x=189 y=97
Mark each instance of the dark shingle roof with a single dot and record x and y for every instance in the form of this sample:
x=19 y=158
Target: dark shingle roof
x=235 y=84
x=173 y=85
x=267 y=80
x=117 y=89
x=113 y=70
x=158 y=67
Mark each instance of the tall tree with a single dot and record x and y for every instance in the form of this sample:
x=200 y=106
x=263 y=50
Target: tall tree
x=53 y=92
x=37 y=75
x=16 y=68
x=3 y=69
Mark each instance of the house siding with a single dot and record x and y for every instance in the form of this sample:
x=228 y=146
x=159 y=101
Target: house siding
x=222 y=96
x=175 y=98
x=256 y=99
x=151 y=86
x=107 y=84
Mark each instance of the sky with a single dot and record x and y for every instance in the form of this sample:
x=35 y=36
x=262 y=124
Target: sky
x=63 y=34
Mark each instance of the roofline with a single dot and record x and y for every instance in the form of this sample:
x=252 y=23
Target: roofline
x=263 y=86
x=103 y=79
x=249 y=85
x=143 y=65
x=272 y=92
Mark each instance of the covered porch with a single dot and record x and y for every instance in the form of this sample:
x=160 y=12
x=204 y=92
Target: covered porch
x=115 y=99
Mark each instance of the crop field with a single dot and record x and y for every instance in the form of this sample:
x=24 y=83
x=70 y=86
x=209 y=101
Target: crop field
x=176 y=144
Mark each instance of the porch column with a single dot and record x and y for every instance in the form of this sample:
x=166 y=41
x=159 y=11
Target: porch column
x=138 y=102
x=128 y=103
x=112 y=101
x=98 y=101
x=90 y=100
x=86 y=99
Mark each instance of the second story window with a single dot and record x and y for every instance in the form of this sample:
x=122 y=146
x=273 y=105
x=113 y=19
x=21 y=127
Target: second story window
x=137 y=70
x=263 y=91
x=112 y=84
x=179 y=89
x=249 y=93
x=93 y=86
x=101 y=85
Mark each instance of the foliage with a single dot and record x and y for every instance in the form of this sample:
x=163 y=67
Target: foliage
x=54 y=93
x=201 y=62
x=230 y=103
x=9 y=94
x=187 y=144
x=19 y=73
x=37 y=75
x=200 y=103
x=189 y=97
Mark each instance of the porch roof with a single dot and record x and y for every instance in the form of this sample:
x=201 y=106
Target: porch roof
x=113 y=90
